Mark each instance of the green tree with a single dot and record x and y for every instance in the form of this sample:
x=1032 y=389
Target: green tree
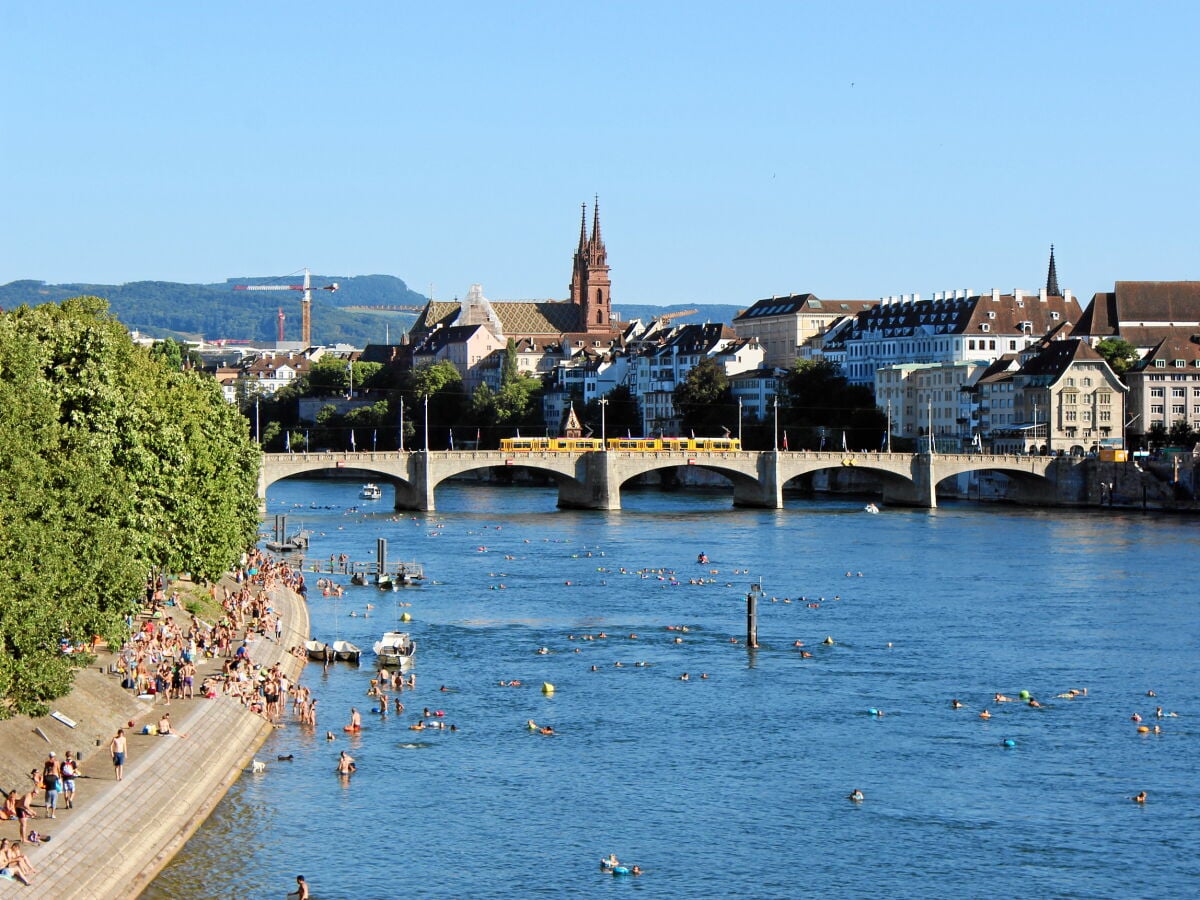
x=816 y=395
x=704 y=400
x=115 y=462
x=1119 y=353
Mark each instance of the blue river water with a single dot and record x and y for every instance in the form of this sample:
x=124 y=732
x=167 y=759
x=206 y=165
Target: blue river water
x=736 y=784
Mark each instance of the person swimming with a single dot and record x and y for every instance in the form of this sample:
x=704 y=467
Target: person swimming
x=856 y=795
x=1140 y=797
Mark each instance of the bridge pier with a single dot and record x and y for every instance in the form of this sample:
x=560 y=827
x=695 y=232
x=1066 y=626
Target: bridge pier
x=766 y=492
x=920 y=492
x=596 y=485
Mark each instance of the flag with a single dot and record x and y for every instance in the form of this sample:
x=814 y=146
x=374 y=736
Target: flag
x=844 y=442
x=374 y=438
x=978 y=442
x=352 y=446
x=305 y=440
x=822 y=440
x=785 y=446
x=693 y=434
x=883 y=442
x=287 y=442
x=451 y=438
x=629 y=433
x=478 y=437
x=518 y=432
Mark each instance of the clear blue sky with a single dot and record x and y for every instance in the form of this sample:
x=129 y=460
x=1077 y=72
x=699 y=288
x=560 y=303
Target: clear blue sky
x=739 y=150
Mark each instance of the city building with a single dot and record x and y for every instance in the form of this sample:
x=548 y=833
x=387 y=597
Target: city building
x=937 y=398
x=1164 y=387
x=782 y=325
x=1141 y=312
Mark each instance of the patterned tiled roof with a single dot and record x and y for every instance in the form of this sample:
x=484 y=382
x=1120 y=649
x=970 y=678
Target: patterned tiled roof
x=537 y=318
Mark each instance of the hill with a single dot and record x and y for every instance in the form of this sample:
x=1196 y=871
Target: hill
x=212 y=311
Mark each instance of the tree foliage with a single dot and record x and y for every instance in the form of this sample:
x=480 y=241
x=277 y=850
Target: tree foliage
x=114 y=461
x=704 y=401
x=1119 y=353
x=816 y=396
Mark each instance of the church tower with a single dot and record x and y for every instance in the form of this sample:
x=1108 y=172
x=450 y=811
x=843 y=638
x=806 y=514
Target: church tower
x=590 y=284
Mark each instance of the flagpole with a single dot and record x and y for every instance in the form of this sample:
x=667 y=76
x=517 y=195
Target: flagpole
x=776 y=429
x=426 y=424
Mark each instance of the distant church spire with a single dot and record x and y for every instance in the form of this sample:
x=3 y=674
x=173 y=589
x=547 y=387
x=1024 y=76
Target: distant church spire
x=596 y=223
x=1052 y=277
x=590 y=284
x=582 y=226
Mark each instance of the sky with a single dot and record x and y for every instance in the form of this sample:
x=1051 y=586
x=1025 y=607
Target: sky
x=739 y=150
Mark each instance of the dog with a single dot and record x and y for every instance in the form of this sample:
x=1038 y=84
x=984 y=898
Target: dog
x=258 y=767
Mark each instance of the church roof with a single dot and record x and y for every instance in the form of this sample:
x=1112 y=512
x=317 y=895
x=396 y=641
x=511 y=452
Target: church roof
x=533 y=318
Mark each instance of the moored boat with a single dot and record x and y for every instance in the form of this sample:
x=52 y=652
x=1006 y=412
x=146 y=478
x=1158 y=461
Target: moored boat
x=346 y=651
x=318 y=650
x=371 y=492
x=395 y=650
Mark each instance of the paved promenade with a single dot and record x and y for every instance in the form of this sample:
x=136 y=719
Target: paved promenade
x=120 y=834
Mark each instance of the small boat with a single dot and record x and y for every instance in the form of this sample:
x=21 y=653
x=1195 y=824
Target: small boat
x=371 y=492
x=319 y=650
x=871 y=508
x=395 y=650
x=293 y=544
x=346 y=651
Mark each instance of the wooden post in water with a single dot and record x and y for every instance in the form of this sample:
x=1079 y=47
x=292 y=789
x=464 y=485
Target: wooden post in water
x=752 y=615
x=381 y=555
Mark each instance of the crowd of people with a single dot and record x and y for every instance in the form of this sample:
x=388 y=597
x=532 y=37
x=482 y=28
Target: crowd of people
x=159 y=662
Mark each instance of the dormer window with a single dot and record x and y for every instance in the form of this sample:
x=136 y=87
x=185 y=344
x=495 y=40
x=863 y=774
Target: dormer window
x=1160 y=363
x=991 y=314
x=1179 y=363
x=984 y=326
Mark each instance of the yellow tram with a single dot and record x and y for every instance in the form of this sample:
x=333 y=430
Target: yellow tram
x=627 y=445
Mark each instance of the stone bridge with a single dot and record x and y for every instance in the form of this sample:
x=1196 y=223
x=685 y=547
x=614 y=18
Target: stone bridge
x=593 y=480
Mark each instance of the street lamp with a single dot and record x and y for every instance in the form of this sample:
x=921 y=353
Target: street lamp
x=739 y=422
x=426 y=424
x=889 y=427
x=603 y=406
x=776 y=441
x=401 y=424
x=257 y=422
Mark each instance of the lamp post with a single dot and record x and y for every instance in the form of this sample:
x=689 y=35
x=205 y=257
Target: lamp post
x=350 y=372
x=603 y=406
x=426 y=424
x=889 y=427
x=257 y=422
x=929 y=418
x=401 y=424
x=776 y=435
x=739 y=422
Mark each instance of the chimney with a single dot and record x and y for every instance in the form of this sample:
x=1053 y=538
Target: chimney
x=1018 y=295
x=1067 y=296
x=916 y=298
x=1042 y=295
x=995 y=295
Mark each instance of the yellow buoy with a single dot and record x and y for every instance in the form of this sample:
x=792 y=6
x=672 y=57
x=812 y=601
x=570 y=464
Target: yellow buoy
x=406 y=617
x=547 y=688
x=1143 y=729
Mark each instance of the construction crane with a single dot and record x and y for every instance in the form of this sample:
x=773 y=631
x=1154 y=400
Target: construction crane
x=667 y=317
x=305 y=302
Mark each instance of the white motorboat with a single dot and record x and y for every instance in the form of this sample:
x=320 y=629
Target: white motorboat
x=371 y=492
x=395 y=650
x=346 y=651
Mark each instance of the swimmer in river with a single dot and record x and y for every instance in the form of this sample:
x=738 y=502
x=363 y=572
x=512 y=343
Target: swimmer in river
x=856 y=795
x=1000 y=698
x=545 y=729
x=346 y=765
x=956 y=704
x=355 y=719
x=1139 y=797
x=985 y=714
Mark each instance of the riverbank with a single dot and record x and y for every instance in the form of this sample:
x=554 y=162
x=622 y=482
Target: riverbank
x=120 y=834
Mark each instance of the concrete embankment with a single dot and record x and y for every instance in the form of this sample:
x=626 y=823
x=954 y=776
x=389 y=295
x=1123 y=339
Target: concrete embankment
x=119 y=835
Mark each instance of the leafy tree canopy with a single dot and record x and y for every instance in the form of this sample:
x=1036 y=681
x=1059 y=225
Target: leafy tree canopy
x=1119 y=353
x=116 y=461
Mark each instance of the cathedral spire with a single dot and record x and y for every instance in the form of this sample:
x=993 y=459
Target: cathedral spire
x=596 y=222
x=582 y=226
x=1052 y=276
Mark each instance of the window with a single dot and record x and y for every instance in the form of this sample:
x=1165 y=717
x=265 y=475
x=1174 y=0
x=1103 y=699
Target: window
x=1157 y=392
x=1071 y=415
x=1179 y=363
x=1178 y=409
x=991 y=345
x=1156 y=409
x=1070 y=382
x=1160 y=363
x=1105 y=415
x=1178 y=392
x=984 y=326
x=1104 y=398
x=1071 y=399
x=1087 y=382
x=971 y=345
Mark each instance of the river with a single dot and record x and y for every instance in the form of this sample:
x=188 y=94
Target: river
x=736 y=784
